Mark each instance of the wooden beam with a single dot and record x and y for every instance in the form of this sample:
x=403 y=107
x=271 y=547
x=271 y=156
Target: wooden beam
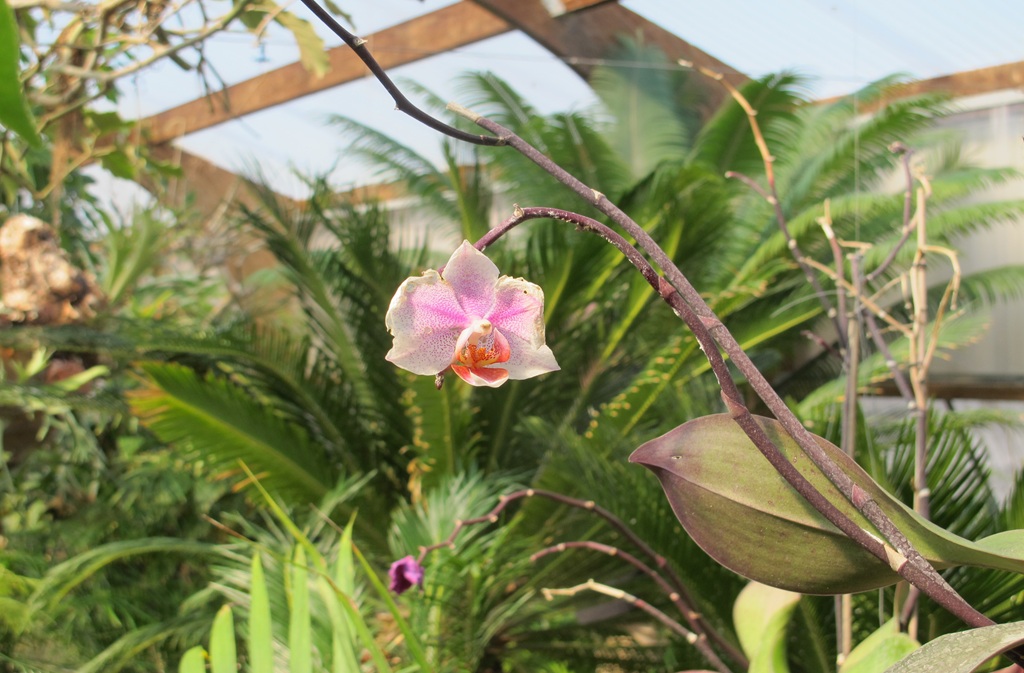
x=588 y=35
x=957 y=387
x=448 y=28
x=957 y=85
x=969 y=82
x=434 y=33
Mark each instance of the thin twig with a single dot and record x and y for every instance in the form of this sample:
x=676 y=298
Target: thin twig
x=772 y=194
x=908 y=221
x=692 y=617
x=676 y=582
x=403 y=104
x=591 y=585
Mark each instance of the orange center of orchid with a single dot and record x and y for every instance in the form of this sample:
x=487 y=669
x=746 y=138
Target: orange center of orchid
x=481 y=346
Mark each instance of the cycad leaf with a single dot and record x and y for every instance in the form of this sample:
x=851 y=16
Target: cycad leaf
x=65 y=576
x=647 y=128
x=225 y=425
x=299 y=630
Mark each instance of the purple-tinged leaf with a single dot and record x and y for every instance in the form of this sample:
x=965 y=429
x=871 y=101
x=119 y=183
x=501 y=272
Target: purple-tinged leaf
x=749 y=519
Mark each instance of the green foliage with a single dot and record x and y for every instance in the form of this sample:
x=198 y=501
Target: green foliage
x=963 y=652
x=301 y=403
x=14 y=110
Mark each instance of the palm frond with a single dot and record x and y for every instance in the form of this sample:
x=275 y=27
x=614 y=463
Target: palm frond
x=988 y=287
x=224 y=425
x=395 y=162
x=726 y=143
x=640 y=96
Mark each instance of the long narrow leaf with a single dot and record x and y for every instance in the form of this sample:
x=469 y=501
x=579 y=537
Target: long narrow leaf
x=261 y=640
x=300 y=639
x=223 y=656
x=14 y=112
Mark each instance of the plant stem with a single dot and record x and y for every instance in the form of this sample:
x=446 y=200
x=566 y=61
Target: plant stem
x=402 y=104
x=692 y=617
x=676 y=583
x=897 y=552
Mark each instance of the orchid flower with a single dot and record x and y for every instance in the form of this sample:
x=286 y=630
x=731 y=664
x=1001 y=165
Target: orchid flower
x=487 y=329
x=405 y=573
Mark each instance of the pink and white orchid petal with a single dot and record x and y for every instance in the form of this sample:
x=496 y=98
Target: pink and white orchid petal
x=472 y=276
x=518 y=314
x=492 y=377
x=528 y=360
x=518 y=309
x=426 y=320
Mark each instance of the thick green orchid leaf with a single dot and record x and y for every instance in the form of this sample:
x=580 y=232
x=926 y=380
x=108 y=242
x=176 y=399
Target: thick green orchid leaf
x=962 y=652
x=760 y=615
x=743 y=514
x=14 y=112
x=880 y=650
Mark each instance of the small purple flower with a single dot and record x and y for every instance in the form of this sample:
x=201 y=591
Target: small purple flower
x=405 y=573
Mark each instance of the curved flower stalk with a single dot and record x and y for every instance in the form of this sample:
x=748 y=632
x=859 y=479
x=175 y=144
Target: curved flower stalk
x=486 y=328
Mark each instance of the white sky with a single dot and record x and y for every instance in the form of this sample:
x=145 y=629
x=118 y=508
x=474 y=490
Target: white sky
x=842 y=44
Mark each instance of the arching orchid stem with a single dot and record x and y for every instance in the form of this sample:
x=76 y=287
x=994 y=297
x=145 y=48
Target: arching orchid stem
x=901 y=555
x=674 y=581
x=691 y=617
x=582 y=223
x=402 y=104
x=702 y=328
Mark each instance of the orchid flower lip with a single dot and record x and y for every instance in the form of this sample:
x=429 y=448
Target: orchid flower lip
x=485 y=327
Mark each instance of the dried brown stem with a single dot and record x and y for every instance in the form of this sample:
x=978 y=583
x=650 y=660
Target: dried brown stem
x=591 y=585
x=908 y=221
x=771 y=195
